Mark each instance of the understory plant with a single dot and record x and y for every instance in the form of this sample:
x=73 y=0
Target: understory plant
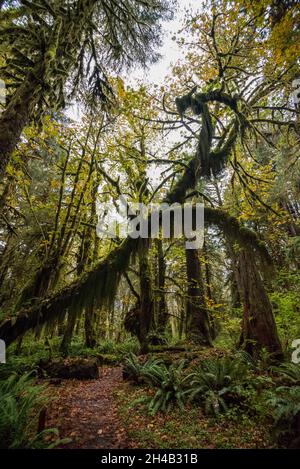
x=218 y=383
x=21 y=404
x=285 y=405
x=288 y=373
x=170 y=384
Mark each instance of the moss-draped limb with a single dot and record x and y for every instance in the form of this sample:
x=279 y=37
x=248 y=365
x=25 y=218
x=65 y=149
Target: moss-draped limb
x=201 y=165
x=98 y=285
x=195 y=167
x=236 y=232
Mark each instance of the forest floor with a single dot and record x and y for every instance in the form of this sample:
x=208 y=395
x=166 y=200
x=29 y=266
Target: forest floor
x=86 y=411
x=191 y=429
x=105 y=414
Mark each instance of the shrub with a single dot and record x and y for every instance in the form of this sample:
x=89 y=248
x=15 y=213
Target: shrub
x=219 y=383
x=285 y=404
x=289 y=373
x=171 y=385
x=21 y=404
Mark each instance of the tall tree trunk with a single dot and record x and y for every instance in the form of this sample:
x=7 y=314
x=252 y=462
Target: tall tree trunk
x=234 y=291
x=31 y=92
x=209 y=293
x=145 y=295
x=68 y=334
x=198 y=327
x=161 y=306
x=17 y=115
x=258 y=325
x=89 y=327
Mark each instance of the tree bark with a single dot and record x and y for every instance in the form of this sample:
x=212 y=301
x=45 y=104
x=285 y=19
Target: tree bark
x=258 y=325
x=89 y=327
x=145 y=295
x=198 y=327
x=161 y=306
x=67 y=337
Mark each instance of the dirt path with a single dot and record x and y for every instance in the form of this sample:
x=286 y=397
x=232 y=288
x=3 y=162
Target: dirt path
x=86 y=411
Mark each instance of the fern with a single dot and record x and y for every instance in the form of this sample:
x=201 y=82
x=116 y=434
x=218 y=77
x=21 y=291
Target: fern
x=21 y=403
x=170 y=383
x=289 y=372
x=138 y=372
x=285 y=404
x=217 y=383
x=132 y=368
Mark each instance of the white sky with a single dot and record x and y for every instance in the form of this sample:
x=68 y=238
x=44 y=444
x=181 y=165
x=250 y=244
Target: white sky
x=170 y=53
x=169 y=50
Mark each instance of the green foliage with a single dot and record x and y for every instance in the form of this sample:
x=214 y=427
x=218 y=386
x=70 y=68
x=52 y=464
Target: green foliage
x=289 y=373
x=219 y=383
x=139 y=372
x=171 y=384
x=21 y=403
x=262 y=363
x=285 y=300
x=285 y=404
x=132 y=368
x=108 y=352
x=191 y=429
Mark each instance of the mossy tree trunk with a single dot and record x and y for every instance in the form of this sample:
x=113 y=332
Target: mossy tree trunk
x=36 y=87
x=68 y=334
x=258 y=325
x=146 y=305
x=17 y=115
x=161 y=313
x=198 y=326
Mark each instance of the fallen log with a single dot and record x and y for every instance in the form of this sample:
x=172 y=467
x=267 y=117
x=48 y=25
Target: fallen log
x=71 y=368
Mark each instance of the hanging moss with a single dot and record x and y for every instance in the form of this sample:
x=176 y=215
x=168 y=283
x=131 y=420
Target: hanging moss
x=99 y=285
x=198 y=165
x=236 y=232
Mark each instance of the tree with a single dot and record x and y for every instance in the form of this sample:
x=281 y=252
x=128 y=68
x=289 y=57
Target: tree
x=198 y=328
x=49 y=42
x=258 y=327
x=229 y=115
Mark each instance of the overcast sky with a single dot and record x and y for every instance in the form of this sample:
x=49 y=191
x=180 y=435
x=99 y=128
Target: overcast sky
x=169 y=51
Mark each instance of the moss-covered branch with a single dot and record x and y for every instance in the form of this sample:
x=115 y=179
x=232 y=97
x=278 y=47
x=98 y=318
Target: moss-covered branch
x=99 y=286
